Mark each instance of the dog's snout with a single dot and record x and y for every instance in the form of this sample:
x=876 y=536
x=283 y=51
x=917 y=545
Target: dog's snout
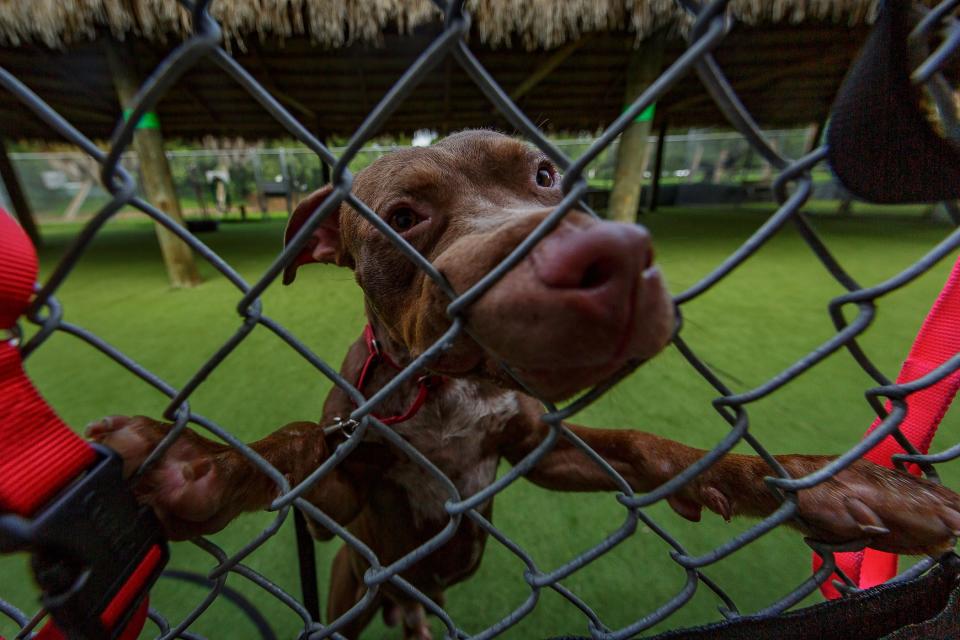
x=581 y=306
x=577 y=258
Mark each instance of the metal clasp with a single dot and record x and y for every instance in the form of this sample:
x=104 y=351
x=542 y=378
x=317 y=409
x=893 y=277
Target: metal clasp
x=347 y=427
x=86 y=545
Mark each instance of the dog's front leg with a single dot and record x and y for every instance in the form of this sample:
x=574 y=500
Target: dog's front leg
x=198 y=486
x=892 y=511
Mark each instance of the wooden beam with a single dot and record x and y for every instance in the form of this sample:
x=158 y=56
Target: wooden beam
x=764 y=80
x=267 y=79
x=154 y=169
x=68 y=78
x=191 y=92
x=644 y=67
x=548 y=66
x=72 y=112
x=17 y=198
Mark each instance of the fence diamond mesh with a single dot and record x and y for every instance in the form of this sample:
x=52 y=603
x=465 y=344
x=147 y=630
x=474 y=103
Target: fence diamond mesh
x=792 y=187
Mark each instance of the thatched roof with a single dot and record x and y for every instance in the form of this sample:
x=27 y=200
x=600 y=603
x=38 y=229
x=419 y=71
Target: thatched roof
x=786 y=75
x=330 y=61
x=534 y=24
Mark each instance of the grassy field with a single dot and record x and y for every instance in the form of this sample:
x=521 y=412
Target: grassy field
x=759 y=320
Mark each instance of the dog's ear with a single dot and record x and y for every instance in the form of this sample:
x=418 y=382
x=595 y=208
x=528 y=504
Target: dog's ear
x=324 y=244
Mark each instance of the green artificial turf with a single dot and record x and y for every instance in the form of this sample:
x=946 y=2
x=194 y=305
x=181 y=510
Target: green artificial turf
x=756 y=322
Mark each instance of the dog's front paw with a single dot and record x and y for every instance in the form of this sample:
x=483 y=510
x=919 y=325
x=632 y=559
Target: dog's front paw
x=891 y=510
x=186 y=487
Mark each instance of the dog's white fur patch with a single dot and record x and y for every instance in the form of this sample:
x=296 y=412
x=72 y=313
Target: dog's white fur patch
x=451 y=429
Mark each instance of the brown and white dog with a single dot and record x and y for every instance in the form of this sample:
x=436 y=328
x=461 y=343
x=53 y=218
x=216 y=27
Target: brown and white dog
x=584 y=304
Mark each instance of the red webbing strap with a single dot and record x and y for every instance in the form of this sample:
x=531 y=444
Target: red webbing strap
x=424 y=385
x=937 y=342
x=376 y=354
x=374 y=350
x=39 y=454
x=373 y=354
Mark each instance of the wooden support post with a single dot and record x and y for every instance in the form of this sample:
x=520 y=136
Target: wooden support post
x=720 y=168
x=644 y=66
x=17 y=199
x=324 y=172
x=77 y=201
x=766 y=174
x=814 y=131
x=658 y=165
x=154 y=169
x=258 y=181
x=695 y=163
x=287 y=182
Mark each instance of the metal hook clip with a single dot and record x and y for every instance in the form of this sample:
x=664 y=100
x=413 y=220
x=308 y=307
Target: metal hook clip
x=348 y=427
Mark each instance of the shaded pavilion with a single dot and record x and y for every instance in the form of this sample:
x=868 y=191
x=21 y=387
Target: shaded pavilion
x=570 y=65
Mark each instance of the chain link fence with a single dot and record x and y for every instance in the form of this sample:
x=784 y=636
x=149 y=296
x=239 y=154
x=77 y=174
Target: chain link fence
x=792 y=187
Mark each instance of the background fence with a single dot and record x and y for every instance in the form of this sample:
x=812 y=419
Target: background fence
x=699 y=167
x=792 y=187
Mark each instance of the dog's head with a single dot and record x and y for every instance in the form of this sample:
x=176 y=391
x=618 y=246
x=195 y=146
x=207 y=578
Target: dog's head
x=584 y=303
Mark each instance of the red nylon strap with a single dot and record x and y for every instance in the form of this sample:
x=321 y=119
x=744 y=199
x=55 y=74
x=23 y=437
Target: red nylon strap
x=376 y=354
x=374 y=350
x=425 y=383
x=937 y=342
x=18 y=271
x=373 y=354
x=39 y=454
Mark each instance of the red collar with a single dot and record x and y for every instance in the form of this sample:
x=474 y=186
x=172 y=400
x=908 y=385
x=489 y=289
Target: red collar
x=374 y=355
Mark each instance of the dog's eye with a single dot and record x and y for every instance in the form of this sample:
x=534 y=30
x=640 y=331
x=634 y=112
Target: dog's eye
x=545 y=176
x=403 y=218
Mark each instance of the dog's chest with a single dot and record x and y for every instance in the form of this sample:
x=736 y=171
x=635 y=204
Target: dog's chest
x=456 y=431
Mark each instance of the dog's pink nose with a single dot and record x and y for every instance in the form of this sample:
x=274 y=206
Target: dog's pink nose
x=578 y=258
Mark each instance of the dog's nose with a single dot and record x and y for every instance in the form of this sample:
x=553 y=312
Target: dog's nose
x=589 y=258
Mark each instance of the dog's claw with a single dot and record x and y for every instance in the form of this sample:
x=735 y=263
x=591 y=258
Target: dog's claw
x=865 y=517
x=898 y=512
x=99 y=428
x=951 y=519
x=874 y=530
x=714 y=500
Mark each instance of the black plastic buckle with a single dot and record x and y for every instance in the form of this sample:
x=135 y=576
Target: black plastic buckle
x=85 y=545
